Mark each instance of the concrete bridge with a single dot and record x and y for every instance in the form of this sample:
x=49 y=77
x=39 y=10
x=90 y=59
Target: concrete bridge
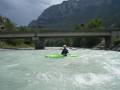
x=109 y=34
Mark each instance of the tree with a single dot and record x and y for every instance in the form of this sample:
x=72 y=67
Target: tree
x=9 y=25
x=95 y=23
x=80 y=27
x=88 y=42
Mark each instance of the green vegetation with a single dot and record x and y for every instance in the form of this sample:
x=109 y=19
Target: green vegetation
x=88 y=42
x=8 y=26
x=93 y=24
x=4 y=44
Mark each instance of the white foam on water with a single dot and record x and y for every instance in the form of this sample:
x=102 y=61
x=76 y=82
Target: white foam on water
x=11 y=65
x=113 y=68
x=30 y=70
x=91 y=79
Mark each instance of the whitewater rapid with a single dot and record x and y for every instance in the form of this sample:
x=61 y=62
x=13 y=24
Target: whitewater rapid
x=31 y=70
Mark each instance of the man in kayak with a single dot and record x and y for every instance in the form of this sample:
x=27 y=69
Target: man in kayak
x=64 y=51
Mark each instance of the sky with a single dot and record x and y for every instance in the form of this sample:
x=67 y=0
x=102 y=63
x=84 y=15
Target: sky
x=22 y=12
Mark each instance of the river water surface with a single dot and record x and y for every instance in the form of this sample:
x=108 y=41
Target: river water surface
x=30 y=70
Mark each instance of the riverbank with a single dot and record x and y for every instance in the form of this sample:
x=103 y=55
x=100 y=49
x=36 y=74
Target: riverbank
x=4 y=45
x=23 y=46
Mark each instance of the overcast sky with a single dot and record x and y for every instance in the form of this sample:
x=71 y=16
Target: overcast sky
x=22 y=12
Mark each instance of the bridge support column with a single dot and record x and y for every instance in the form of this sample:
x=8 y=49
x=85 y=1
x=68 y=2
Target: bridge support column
x=108 y=43
x=39 y=43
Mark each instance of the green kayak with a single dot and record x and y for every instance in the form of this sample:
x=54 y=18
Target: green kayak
x=54 y=56
x=59 y=56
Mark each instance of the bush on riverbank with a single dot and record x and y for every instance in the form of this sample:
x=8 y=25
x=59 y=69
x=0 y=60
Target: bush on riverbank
x=13 y=44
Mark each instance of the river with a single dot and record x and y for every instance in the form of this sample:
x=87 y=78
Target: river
x=31 y=70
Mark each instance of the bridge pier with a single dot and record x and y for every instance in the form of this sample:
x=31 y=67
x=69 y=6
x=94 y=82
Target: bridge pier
x=39 y=43
x=108 y=43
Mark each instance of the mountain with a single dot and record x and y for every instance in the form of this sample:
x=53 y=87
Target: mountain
x=73 y=12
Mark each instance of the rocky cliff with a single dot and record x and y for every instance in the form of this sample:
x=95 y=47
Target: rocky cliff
x=73 y=12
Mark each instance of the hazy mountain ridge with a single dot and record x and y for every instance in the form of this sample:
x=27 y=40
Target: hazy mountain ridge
x=73 y=12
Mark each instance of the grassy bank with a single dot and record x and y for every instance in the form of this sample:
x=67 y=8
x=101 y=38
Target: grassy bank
x=22 y=45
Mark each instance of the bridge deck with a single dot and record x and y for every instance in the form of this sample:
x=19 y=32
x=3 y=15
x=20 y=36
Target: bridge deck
x=53 y=34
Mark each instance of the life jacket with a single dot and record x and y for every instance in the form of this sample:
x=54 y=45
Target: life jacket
x=64 y=51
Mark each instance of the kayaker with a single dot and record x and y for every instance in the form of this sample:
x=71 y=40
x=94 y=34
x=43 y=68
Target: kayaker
x=64 y=51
